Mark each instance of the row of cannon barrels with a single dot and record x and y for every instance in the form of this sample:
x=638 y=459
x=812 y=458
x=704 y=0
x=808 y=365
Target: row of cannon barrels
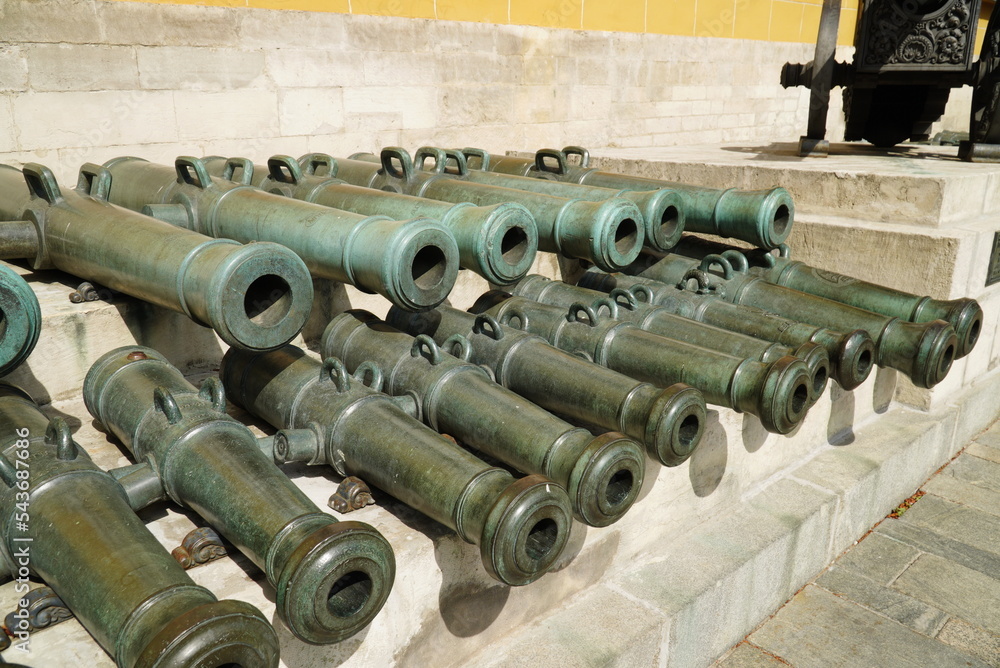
x=571 y=390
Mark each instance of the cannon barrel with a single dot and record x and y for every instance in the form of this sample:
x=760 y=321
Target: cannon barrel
x=412 y=263
x=497 y=242
x=255 y=296
x=80 y=535
x=851 y=355
x=777 y=393
x=922 y=351
x=602 y=474
x=761 y=217
x=964 y=315
x=662 y=210
x=331 y=578
x=624 y=306
x=328 y=417
x=609 y=233
x=669 y=422
x=21 y=318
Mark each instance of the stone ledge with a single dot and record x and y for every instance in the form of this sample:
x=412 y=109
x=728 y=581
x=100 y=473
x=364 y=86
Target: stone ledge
x=717 y=583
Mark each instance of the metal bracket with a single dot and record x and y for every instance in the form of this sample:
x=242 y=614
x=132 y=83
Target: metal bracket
x=85 y=292
x=352 y=494
x=200 y=546
x=43 y=608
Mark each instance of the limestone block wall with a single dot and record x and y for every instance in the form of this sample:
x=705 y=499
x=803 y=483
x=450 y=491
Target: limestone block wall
x=85 y=80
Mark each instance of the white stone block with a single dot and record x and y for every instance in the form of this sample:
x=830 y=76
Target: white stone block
x=306 y=111
x=8 y=130
x=226 y=115
x=140 y=23
x=13 y=69
x=301 y=68
x=417 y=105
x=197 y=68
x=59 y=67
x=94 y=119
x=73 y=21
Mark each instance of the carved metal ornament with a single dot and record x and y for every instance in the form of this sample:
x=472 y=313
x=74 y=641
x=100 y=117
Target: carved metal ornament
x=904 y=33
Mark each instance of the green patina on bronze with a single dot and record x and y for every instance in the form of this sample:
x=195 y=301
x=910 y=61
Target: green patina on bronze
x=83 y=539
x=777 y=393
x=851 y=355
x=331 y=578
x=624 y=306
x=20 y=319
x=964 y=315
x=329 y=417
x=761 y=217
x=610 y=233
x=602 y=474
x=922 y=351
x=497 y=242
x=669 y=422
x=255 y=296
x=412 y=263
x=662 y=210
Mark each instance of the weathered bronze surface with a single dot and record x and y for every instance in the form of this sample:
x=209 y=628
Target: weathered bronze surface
x=331 y=578
x=497 y=242
x=623 y=305
x=411 y=263
x=923 y=351
x=329 y=417
x=964 y=315
x=256 y=296
x=777 y=393
x=610 y=234
x=69 y=523
x=662 y=210
x=762 y=217
x=852 y=356
x=602 y=474
x=21 y=320
x=669 y=422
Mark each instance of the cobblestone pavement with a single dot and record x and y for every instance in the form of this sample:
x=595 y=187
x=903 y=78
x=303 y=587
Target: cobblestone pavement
x=921 y=589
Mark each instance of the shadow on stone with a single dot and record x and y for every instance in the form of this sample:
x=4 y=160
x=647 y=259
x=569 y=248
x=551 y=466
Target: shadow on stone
x=754 y=433
x=840 y=427
x=707 y=465
x=885 y=389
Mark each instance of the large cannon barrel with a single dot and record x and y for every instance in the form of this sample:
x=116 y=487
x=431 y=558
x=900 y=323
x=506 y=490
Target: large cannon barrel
x=662 y=210
x=852 y=355
x=602 y=474
x=331 y=578
x=669 y=422
x=777 y=393
x=624 y=306
x=255 y=296
x=21 y=319
x=69 y=523
x=606 y=233
x=964 y=315
x=761 y=217
x=922 y=351
x=412 y=263
x=497 y=242
x=329 y=417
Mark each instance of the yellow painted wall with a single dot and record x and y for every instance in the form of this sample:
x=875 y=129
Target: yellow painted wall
x=771 y=20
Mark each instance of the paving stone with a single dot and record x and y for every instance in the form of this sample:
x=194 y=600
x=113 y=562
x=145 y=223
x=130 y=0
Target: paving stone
x=976 y=470
x=962 y=523
x=984 y=452
x=972 y=640
x=878 y=558
x=953 y=489
x=961 y=591
x=922 y=618
x=746 y=655
x=991 y=436
x=932 y=542
x=819 y=630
